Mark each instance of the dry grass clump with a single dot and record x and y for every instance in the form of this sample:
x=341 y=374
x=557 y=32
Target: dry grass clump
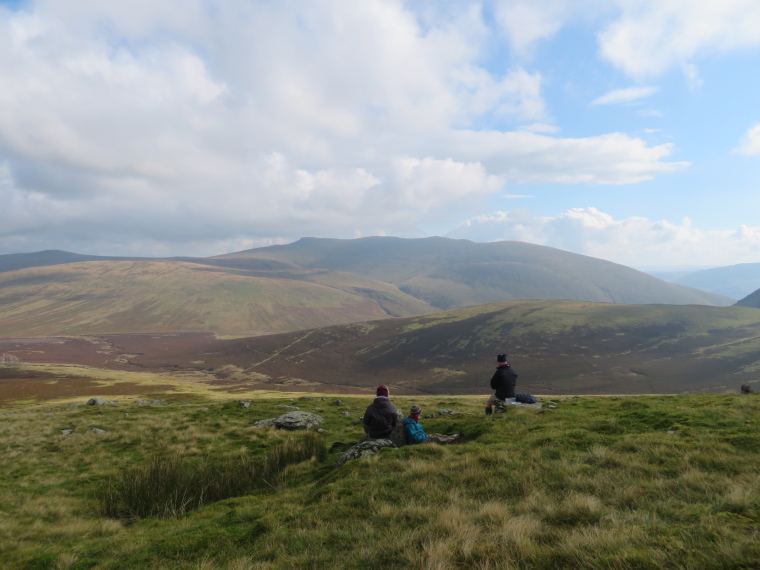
x=170 y=485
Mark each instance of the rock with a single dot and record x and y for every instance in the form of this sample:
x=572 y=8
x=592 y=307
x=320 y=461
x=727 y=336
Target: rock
x=364 y=448
x=445 y=412
x=244 y=405
x=359 y=420
x=398 y=437
x=142 y=402
x=76 y=404
x=429 y=416
x=67 y=431
x=98 y=431
x=338 y=403
x=298 y=420
x=281 y=407
x=745 y=389
x=96 y=402
x=291 y=420
x=671 y=432
x=158 y=402
x=320 y=430
x=265 y=423
x=306 y=398
x=113 y=402
x=345 y=414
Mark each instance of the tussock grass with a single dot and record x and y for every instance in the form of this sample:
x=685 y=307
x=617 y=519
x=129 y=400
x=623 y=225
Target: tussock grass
x=635 y=482
x=170 y=485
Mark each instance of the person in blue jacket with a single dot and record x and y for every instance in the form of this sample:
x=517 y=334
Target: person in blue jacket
x=415 y=433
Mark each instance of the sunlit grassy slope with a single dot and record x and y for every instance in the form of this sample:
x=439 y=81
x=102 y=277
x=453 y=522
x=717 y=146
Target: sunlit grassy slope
x=636 y=482
x=171 y=296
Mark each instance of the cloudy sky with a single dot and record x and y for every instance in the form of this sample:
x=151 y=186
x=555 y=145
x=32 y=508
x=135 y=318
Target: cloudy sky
x=622 y=129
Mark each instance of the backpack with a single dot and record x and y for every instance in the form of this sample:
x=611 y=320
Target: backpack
x=525 y=399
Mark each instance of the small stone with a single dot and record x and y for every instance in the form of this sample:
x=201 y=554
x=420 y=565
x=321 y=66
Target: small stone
x=671 y=432
x=76 y=404
x=158 y=402
x=244 y=405
x=95 y=402
x=345 y=413
x=67 y=431
x=320 y=430
x=338 y=403
x=98 y=431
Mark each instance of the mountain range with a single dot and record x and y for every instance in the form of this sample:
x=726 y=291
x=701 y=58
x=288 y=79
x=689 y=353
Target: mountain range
x=735 y=281
x=306 y=284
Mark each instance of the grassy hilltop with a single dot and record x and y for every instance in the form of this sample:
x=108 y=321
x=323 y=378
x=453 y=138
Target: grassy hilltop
x=596 y=482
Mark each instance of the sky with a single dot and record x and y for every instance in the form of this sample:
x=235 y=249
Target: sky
x=627 y=130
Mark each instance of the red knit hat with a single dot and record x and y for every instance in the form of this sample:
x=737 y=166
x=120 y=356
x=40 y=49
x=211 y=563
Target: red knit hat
x=415 y=410
x=382 y=390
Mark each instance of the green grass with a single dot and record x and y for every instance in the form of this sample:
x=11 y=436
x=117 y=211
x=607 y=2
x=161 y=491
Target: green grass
x=598 y=482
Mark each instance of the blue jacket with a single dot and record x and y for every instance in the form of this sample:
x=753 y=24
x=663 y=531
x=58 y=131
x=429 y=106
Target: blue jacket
x=414 y=431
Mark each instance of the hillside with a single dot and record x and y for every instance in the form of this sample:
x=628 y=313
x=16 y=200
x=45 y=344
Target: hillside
x=14 y=261
x=98 y=297
x=451 y=273
x=735 y=281
x=557 y=347
x=751 y=300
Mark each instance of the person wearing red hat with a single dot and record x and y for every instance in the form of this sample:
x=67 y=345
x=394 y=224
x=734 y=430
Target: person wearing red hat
x=381 y=416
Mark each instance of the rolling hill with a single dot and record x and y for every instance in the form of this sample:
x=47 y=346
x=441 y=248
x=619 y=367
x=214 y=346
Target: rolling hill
x=735 y=281
x=557 y=347
x=451 y=273
x=98 y=297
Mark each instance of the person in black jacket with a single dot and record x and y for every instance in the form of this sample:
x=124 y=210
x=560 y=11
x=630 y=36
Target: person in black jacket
x=503 y=381
x=381 y=417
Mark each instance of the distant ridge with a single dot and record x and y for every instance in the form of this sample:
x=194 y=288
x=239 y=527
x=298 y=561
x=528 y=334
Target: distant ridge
x=14 y=261
x=450 y=273
x=735 y=281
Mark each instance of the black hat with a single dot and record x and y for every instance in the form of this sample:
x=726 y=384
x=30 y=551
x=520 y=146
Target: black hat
x=501 y=357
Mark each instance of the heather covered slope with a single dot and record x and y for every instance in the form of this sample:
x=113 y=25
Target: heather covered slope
x=557 y=347
x=98 y=297
x=451 y=273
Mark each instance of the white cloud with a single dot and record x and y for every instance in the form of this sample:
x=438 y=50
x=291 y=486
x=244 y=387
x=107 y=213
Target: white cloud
x=651 y=36
x=627 y=95
x=750 y=143
x=188 y=122
x=632 y=241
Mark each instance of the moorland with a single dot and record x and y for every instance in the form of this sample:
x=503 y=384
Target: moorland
x=643 y=454
x=586 y=482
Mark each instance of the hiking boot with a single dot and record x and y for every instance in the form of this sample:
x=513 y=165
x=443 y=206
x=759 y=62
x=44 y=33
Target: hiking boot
x=489 y=411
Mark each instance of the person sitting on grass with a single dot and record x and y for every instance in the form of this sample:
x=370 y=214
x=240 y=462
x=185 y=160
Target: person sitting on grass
x=415 y=433
x=380 y=417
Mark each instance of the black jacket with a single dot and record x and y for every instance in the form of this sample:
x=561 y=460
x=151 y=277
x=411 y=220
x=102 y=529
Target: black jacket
x=380 y=418
x=504 y=381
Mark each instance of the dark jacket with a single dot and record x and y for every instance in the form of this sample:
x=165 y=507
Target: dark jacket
x=504 y=381
x=380 y=418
